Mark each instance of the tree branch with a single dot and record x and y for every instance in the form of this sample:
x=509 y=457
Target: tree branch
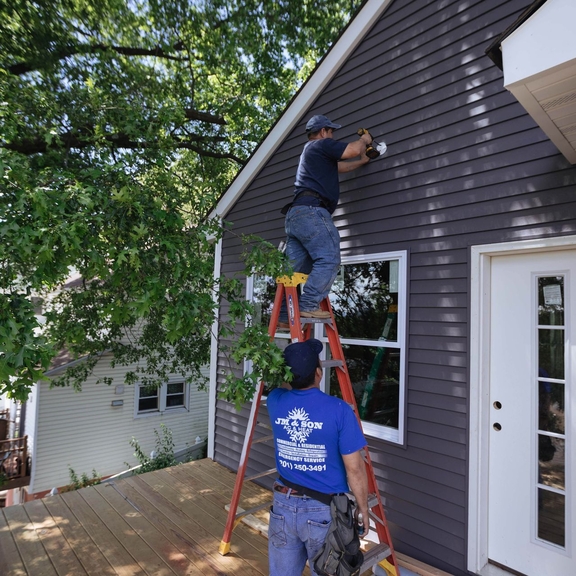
x=67 y=140
x=192 y=114
x=73 y=50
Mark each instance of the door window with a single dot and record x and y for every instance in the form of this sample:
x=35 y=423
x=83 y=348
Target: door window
x=551 y=385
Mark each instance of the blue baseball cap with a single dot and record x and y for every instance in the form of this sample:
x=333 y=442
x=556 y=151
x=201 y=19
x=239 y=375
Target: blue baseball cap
x=302 y=357
x=316 y=123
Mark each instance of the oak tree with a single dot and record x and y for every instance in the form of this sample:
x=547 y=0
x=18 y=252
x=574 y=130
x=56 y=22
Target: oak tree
x=121 y=123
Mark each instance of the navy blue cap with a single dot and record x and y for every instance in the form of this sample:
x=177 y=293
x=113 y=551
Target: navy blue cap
x=302 y=357
x=316 y=123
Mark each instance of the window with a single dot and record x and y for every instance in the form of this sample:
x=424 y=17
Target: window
x=171 y=396
x=369 y=303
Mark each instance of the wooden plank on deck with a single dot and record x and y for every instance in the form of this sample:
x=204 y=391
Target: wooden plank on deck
x=28 y=543
x=100 y=534
x=196 y=501
x=148 y=560
x=189 y=535
x=90 y=556
x=57 y=547
x=10 y=559
x=136 y=517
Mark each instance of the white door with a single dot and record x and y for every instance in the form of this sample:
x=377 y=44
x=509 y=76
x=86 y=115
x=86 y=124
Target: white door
x=532 y=509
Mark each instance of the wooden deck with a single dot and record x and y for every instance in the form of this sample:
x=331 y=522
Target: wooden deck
x=161 y=523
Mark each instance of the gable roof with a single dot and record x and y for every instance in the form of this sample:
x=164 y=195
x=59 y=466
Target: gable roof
x=352 y=35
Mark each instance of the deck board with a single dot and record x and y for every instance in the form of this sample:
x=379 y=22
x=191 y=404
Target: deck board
x=92 y=559
x=163 y=523
x=57 y=547
x=102 y=535
x=34 y=556
x=11 y=561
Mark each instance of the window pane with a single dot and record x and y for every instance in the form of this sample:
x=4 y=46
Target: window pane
x=551 y=468
x=551 y=407
x=551 y=301
x=551 y=353
x=375 y=374
x=364 y=298
x=147 y=399
x=263 y=294
x=175 y=388
x=175 y=395
x=551 y=524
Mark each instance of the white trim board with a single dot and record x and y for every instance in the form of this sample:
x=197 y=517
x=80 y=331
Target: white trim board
x=213 y=380
x=480 y=264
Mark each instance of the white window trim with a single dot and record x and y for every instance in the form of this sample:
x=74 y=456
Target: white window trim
x=370 y=429
x=162 y=394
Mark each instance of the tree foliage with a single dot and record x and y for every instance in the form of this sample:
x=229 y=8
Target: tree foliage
x=121 y=123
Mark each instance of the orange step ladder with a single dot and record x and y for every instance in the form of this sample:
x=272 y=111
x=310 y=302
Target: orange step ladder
x=301 y=329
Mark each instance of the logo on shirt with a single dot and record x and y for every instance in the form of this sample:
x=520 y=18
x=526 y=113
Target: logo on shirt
x=298 y=425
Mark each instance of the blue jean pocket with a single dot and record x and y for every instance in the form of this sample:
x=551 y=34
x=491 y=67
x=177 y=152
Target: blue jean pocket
x=317 y=533
x=276 y=530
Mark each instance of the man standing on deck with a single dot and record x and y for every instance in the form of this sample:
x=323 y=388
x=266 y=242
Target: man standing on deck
x=318 y=443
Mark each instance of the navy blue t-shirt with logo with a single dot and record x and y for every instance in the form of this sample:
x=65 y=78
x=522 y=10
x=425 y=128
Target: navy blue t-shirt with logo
x=311 y=432
x=318 y=171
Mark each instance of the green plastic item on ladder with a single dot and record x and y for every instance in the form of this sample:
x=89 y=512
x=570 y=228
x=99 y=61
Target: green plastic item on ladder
x=367 y=396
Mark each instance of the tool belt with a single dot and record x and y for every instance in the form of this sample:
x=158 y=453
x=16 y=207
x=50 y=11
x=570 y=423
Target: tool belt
x=340 y=555
x=300 y=195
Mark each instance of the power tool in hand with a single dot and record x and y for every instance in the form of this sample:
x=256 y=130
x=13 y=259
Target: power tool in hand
x=372 y=152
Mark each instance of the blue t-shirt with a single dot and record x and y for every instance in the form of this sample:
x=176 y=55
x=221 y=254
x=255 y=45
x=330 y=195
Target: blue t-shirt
x=311 y=432
x=318 y=170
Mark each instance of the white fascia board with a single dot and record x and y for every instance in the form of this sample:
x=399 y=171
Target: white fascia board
x=544 y=41
x=338 y=54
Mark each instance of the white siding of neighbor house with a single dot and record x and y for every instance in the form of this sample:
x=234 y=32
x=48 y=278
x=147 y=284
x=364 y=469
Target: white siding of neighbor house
x=82 y=430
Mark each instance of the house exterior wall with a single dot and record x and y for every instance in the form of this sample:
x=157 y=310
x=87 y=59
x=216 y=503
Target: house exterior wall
x=83 y=431
x=466 y=165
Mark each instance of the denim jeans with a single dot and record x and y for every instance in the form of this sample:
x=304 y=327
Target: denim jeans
x=297 y=530
x=313 y=248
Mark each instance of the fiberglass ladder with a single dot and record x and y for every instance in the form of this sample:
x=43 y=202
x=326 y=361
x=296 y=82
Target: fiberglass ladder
x=301 y=329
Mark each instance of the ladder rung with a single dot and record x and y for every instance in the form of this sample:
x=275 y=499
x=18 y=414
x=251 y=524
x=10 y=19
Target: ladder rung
x=263 y=439
x=374 y=555
x=372 y=500
x=259 y=475
x=246 y=512
x=315 y=321
x=334 y=363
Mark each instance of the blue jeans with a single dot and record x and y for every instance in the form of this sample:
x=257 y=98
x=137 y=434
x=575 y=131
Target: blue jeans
x=313 y=248
x=297 y=530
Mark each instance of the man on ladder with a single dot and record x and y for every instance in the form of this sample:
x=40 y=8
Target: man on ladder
x=318 y=443
x=312 y=239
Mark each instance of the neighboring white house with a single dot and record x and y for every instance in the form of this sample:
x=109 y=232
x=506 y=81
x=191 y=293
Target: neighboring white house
x=91 y=429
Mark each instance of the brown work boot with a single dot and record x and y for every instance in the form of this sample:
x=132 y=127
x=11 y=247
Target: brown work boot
x=315 y=313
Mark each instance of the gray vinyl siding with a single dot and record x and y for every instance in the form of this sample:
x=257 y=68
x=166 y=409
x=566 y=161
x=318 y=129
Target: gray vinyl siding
x=465 y=165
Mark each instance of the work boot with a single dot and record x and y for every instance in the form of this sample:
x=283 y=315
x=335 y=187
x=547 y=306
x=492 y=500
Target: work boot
x=315 y=313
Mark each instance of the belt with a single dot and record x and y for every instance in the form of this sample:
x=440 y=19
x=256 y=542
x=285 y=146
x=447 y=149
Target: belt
x=313 y=195
x=285 y=490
